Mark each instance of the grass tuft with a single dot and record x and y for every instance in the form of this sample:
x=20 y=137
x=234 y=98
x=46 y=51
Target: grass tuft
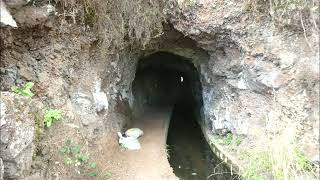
x=279 y=157
x=76 y=158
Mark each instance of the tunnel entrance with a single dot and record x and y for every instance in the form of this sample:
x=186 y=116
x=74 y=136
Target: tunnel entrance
x=165 y=80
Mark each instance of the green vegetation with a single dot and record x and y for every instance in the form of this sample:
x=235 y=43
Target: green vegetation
x=258 y=164
x=51 y=116
x=25 y=90
x=229 y=139
x=301 y=161
x=70 y=148
x=106 y=175
x=277 y=157
x=93 y=165
x=92 y=174
x=238 y=140
x=74 y=156
x=284 y=164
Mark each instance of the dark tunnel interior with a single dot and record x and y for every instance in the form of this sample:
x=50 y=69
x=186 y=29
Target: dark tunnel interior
x=167 y=80
x=164 y=79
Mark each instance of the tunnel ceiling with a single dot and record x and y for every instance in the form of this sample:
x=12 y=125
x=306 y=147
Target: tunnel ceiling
x=164 y=60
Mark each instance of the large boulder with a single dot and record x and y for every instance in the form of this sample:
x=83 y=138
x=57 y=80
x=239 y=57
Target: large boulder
x=17 y=129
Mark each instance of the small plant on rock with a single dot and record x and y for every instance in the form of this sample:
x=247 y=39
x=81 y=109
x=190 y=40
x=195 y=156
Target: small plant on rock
x=73 y=153
x=93 y=174
x=51 y=116
x=25 y=90
x=82 y=157
x=73 y=156
x=257 y=165
x=106 y=175
x=228 y=140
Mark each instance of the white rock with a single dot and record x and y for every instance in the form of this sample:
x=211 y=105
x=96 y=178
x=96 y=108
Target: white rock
x=129 y=143
x=100 y=98
x=5 y=16
x=134 y=132
x=242 y=84
x=3 y=109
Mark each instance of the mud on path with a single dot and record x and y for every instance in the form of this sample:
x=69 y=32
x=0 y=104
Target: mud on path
x=150 y=162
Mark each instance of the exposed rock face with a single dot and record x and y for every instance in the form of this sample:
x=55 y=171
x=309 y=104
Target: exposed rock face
x=244 y=54
x=256 y=74
x=17 y=134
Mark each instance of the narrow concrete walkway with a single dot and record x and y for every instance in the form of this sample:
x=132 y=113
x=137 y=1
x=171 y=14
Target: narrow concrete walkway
x=150 y=162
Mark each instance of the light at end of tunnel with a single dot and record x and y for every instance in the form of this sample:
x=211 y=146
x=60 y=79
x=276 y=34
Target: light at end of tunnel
x=181 y=79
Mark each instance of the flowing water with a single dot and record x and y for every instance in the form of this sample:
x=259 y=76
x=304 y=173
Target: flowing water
x=189 y=154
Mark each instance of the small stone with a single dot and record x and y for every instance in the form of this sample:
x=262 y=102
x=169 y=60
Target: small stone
x=134 y=132
x=129 y=143
x=26 y=73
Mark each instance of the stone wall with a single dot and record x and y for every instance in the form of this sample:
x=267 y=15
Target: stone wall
x=257 y=74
